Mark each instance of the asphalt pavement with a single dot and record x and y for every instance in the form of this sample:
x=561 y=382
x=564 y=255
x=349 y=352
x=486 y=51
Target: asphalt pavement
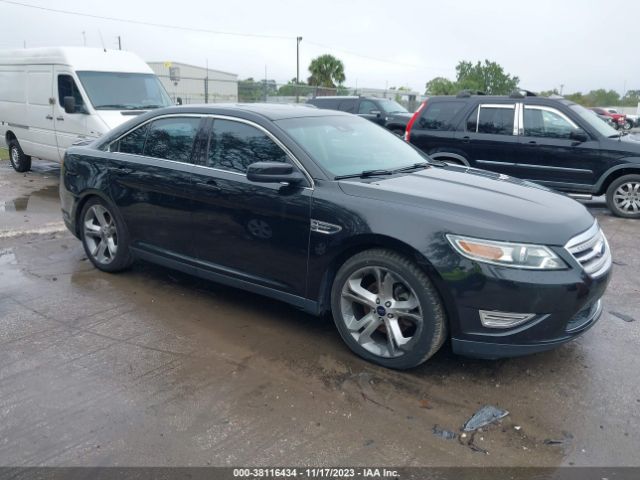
x=153 y=367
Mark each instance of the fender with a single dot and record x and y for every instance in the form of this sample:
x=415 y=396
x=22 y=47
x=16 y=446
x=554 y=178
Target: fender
x=634 y=166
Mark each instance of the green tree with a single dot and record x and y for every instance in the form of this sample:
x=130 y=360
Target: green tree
x=548 y=93
x=602 y=98
x=488 y=77
x=577 y=97
x=441 y=86
x=326 y=71
x=631 y=98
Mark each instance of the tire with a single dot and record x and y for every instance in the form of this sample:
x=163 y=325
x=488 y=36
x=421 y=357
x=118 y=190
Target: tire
x=362 y=315
x=628 y=125
x=19 y=161
x=623 y=196
x=104 y=236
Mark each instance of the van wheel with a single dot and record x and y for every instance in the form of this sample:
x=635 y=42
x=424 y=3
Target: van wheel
x=623 y=196
x=387 y=310
x=19 y=161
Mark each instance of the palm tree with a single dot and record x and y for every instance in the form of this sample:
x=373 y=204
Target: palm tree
x=326 y=70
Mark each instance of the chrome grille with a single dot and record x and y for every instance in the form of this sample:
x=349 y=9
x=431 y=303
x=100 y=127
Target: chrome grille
x=591 y=250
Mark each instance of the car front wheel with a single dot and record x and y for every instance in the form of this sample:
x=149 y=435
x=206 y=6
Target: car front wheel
x=623 y=196
x=387 y=310
x=104 y=236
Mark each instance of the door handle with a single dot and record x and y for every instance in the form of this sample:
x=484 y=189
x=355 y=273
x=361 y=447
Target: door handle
x=209 y=185
x=532 y=142
x=466 y=139
x=61 y=119
x=49 y=117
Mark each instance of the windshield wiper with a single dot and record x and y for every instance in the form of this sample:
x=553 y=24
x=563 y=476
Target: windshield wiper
x=415 y=166
x=365 y=174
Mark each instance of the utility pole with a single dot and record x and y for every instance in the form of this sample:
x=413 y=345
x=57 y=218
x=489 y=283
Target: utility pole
x=298 y=40
x=84 y=38
x=561 y=88
x=119 y=43
x=206 y=85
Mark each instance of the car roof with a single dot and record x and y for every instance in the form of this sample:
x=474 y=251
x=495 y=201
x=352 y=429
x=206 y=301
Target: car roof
x=271 y=111
x=502 y=98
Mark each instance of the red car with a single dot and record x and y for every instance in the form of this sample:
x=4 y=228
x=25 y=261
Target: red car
x=619 y=119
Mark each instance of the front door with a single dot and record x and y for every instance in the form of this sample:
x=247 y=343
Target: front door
x=369 y=110
x=70 y=127
x=150 y=180
x=255 y=232
x=548 y=153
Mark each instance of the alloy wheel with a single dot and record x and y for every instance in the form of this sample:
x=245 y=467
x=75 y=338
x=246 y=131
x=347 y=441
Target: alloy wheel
x=627 y=197
x=381 y=311
x=100 y=234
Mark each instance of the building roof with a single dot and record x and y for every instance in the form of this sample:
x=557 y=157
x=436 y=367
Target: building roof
x=204 y=69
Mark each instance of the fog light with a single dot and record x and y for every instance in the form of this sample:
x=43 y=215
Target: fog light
x=503 y=319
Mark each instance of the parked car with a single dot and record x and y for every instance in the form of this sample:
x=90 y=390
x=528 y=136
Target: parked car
x=550 y=141
x=387 y=113
x=52 y=97
x=619 y=119
x=630 y=120
x=350 y=219
x=606 y=119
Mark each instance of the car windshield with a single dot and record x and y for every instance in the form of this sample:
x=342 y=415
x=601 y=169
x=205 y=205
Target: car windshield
x=124 y=91
x=588 y=116
x=390 y=106
x=348 y=145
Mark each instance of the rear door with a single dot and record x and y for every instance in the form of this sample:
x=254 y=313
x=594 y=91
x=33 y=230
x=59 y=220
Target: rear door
x=150 y=178
x=490 y=137
x=36 y=131
x=549 y=155
x=433 y=132
x=70 y=127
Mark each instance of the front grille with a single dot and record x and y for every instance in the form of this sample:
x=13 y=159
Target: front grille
x=591 y=250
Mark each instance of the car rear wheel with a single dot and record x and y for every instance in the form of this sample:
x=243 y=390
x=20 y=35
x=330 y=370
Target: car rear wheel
x=19 y=161
x=104 y=236
x=628 y=125
x=623 y=196
x=387 y=310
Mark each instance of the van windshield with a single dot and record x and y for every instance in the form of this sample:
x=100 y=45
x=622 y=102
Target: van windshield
x=124 y=91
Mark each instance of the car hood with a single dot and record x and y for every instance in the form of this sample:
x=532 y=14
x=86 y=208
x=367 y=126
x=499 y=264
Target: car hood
x=115 y=118
x=628 y=144
x=481 y=203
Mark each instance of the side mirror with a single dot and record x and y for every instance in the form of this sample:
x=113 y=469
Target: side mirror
x=578 y=136
x=273 y=172
x=69 y=104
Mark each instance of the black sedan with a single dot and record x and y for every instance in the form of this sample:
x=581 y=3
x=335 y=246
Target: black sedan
x=332 y=213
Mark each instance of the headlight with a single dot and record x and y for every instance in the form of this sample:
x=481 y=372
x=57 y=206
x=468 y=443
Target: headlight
x=515 y=255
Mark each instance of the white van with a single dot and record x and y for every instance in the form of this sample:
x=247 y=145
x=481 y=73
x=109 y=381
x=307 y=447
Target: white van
x=52 y=97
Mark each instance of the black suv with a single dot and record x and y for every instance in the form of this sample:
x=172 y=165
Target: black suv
x=551 y=141
x=388 y=113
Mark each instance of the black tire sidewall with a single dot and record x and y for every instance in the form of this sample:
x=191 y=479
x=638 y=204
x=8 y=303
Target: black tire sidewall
x=123 y=258
x=24 y=161
x=611 y=190
x=426 y=295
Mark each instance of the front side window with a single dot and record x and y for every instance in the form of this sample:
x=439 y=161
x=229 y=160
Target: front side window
x=546 y=123
x=438 y=115
x=233 y=146
x=172 y=138
x=67 y=88
x=366 y=106
x=495 y=120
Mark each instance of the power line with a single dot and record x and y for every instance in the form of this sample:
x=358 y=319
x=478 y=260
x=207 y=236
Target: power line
x=215 y=32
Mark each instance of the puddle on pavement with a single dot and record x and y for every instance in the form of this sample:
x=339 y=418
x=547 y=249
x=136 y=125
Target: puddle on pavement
x=44 y=200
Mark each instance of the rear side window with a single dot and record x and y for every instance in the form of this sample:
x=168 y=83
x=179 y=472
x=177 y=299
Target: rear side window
x=133 y=143
x=492 y=119
x=233 y=146
x=328 y=103
x=438 y=115
x=172 y=138
x=347 y=106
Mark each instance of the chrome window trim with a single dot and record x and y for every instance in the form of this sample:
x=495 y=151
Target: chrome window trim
x=293 y=158
x=548 y=109
x=510 y=106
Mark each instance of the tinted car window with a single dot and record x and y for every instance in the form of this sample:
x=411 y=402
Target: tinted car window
x=493 y=120
x=67 y=88
x=172 y=138
x=545 y=123
x=438 y=115
x=329 y=103
x=234 y=146
x=347 y=106
x=366 y=106
x=134 y=142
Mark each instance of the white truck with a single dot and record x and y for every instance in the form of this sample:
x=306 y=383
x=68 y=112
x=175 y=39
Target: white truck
x=52 y=97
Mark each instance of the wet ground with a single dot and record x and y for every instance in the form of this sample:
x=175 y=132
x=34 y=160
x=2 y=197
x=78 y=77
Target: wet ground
x=152 y=367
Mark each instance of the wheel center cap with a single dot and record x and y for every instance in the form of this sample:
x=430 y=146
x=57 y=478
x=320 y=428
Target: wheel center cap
x=381 y=311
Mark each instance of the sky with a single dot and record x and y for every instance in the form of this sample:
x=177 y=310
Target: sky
x=580 y=44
